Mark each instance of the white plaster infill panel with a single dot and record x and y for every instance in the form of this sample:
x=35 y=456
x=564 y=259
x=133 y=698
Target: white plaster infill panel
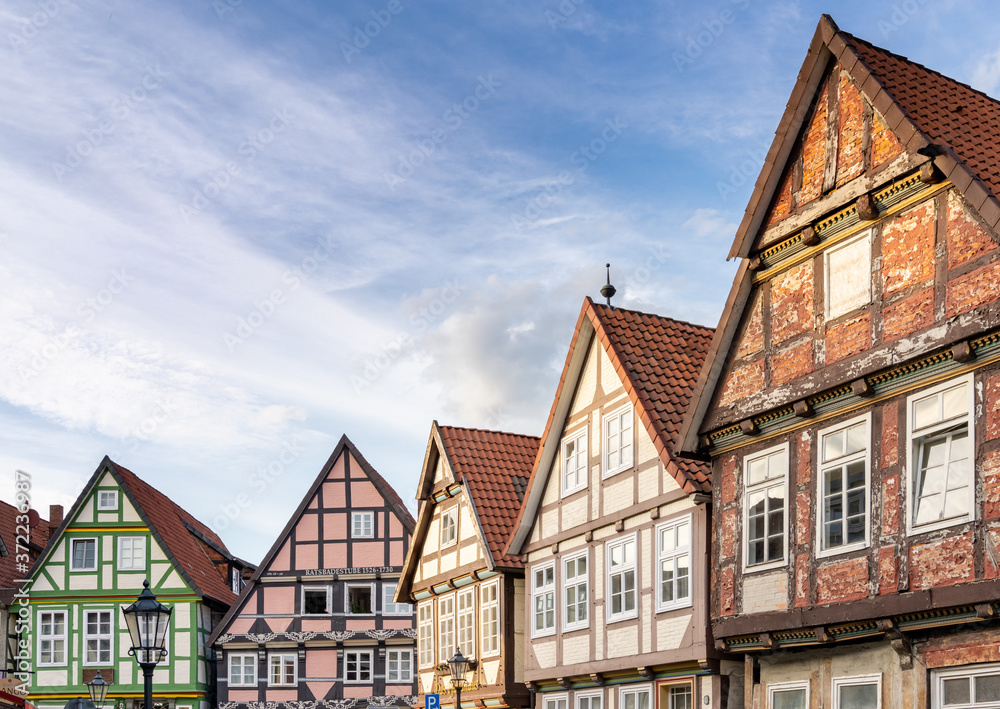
x=765 y=591
x=623 y=642
x=545 y=653
x=670 y=631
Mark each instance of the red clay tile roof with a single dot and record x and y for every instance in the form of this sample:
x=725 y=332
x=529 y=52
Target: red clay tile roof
x=495 y=466
x=168 y=521
x=38 y=535
x=660 y=358
x=946 y=111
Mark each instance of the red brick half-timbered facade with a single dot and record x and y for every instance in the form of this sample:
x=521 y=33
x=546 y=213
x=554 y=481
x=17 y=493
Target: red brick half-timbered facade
x=849 y=402
x=317 y=624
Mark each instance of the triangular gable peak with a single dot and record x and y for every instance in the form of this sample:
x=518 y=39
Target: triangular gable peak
x=860 y=116
x=480 y=475
x=349 y=521
x=184 y=554
x=866 y=135
x=656 y=361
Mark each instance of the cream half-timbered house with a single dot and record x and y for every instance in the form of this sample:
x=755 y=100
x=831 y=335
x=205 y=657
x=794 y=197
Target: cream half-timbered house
x=849 y=401
x=615 y=527
x=317 y=625
x=469 y=594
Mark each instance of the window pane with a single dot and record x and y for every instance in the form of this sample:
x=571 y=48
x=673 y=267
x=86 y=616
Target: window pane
x=833 y=446
x=856 y=438
x=757 y=471
x=954 y=402
x=859 y=696
x=925 y=412
x=988 y=688
x=789 y=699
x=957 y=691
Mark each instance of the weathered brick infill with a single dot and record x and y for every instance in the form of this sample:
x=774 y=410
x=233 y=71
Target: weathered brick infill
x=849 y=337
x=842 y=581
x=944 y=562
x=908 y=249
x=908 y=315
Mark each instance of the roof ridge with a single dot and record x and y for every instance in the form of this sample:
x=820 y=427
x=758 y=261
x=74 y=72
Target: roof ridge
x=615 y=308
x=911 y=62
x=489 y=430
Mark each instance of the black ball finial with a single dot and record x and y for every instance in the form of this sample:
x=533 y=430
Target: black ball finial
x=608 y=291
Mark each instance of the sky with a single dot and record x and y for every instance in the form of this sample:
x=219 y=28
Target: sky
x=231 y=232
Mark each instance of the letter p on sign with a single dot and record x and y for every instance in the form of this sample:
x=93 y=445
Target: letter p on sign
x=432 y=701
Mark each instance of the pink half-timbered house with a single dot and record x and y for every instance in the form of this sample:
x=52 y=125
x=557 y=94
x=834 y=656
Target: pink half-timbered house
x=317 y=622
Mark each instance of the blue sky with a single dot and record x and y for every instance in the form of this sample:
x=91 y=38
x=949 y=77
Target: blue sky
x=233 y=231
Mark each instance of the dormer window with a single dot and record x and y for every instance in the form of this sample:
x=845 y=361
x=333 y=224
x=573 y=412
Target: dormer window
x=236 y=579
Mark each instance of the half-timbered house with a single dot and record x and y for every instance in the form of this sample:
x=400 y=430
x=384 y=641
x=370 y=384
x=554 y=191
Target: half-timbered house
x=615 y=527
x=317 y=624
x=468 y=592
x=120 y=532
x=849 y=403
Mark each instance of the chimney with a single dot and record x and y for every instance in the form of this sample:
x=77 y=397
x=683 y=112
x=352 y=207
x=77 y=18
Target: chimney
x=55 y=518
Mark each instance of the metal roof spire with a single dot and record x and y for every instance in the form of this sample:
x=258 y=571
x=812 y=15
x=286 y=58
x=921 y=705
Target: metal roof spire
x=608 y=291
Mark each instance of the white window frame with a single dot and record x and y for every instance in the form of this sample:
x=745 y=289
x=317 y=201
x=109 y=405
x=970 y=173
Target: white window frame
x=489 y=619
x=347 y=598
x=53 y=637
x=328 y=590
x=450 y=514
x=582 y=475
x=666 y=689
x=101 y=507
x=618 y=414
x=576 y=581
x=914 y=437
x=72 y=555
x=857 y=302
x=555 y=701
x=939 y=676
x=468 y=616
x=446 y=636
x=243 y=657
x=121 y=554
x=236 y=579
x=822 y=466
x=390 y=607
x=99 y=636
x=366 y=519
x=546 y=590
x=634 y=566
x=282 y=657
x=672 y=555
x=578 y=698
x=425 y=634
x=371 y=666
x=399 y=677
x=857 y=680
x=749 y=489
x=787 y=687
x=635 y=689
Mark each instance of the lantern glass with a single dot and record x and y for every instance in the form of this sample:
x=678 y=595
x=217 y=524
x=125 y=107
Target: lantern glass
x=458 y=665
x=98 y=689
x=147 y=620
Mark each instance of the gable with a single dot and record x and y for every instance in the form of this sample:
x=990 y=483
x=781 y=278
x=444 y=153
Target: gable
x=843 y=138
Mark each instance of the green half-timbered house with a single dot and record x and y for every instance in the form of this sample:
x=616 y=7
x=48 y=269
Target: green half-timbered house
x=119 y=532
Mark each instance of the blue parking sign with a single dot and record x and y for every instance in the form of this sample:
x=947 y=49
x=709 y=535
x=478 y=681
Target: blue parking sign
x=432 y=701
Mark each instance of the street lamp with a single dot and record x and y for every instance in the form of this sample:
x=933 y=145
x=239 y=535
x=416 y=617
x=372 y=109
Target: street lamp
x=147 y=621
x=459 y=665
x=98 y=689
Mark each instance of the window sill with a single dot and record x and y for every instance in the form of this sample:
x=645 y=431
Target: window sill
x=543 y=633
x=573 y=491
x=837 y=551
x=611 y=473
x=575 y=627
x=621 y=618
x=769 y=566
x=936 y=526
x=677 y=606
